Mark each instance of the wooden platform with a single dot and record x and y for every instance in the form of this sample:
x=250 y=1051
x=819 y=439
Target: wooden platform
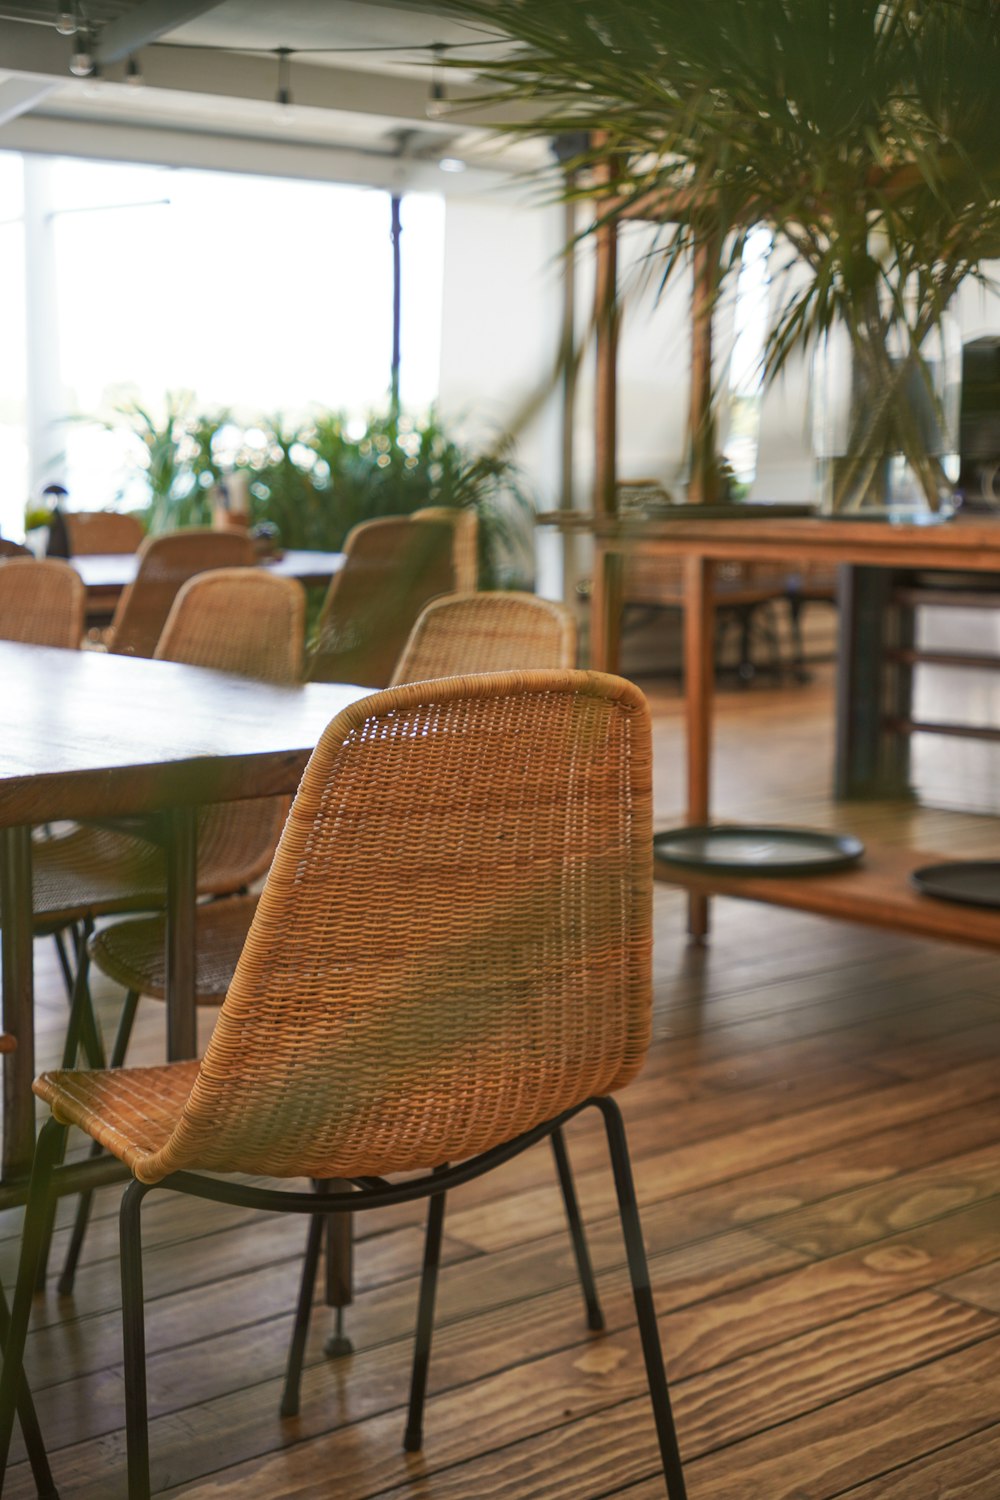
x=817 y=1151
x=877 y=892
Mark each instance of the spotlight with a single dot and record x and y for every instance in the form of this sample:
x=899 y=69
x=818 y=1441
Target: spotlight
x=451 y=164
x=66 y=20
x=81 y=64
x=437 y=103
x=283 y=97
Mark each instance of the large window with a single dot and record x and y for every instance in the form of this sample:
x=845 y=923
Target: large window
x=13 y=364
x=260 y=296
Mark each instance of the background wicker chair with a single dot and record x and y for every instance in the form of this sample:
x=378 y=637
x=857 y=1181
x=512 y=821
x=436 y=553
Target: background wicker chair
x=165 y=563
x=451 y=958
x=392 y=568
x=97 y=531
x=34 y=1446
x=465 y=533
x=41 y=602
x=13 y=549
x=241 y=620
x=487 y=632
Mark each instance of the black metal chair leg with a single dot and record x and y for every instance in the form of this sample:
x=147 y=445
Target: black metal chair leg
x=86 y=1199
x=48 y=1150
x=595 y=1318
x=64 y=963
x=32 y=1433
x=414 y=1436
x=83 y=1028
x=134 y=1340
x=297 y=1348
x=642 y=1294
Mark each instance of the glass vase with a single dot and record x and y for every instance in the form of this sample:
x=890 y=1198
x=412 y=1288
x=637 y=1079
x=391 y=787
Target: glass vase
x=884 y=422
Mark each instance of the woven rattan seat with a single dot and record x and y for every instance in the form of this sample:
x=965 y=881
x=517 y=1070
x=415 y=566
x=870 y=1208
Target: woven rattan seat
x=450 y=958
x=488 y=632
x=134 y=954
x=392 y=568
x=164 y=564
x=102 y=531
x=41 y=602
x=96 y=871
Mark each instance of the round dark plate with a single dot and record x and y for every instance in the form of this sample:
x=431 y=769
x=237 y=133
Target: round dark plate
x=972 y=882
x=743 y=850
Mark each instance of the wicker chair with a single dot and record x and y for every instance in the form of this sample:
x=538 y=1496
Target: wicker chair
x=487 y=632
x=451 y=958
x=41 y=602
x=30 y=1430
x=392 y=568
x=13 y=549
x=465 y=531
x=241 y=620
x=166 y=562
x=102 y=531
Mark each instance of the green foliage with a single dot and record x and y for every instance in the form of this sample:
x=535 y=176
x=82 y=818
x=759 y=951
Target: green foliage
x=864 y=133
x=316 y=480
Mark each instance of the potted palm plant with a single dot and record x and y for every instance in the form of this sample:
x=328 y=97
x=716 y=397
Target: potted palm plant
x=863 y=133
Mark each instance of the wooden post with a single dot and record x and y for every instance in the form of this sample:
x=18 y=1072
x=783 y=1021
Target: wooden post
x=703 y=486
x=699 y=683
x=605 y=415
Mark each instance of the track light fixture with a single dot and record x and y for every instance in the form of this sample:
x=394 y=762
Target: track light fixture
x=81 y=64
x=437 y=104
x=66 y=18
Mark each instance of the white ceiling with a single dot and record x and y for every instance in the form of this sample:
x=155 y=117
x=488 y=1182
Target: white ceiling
x=216 y=76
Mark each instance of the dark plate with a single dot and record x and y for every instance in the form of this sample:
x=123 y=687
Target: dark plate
x=744 y=850
x=971 y=882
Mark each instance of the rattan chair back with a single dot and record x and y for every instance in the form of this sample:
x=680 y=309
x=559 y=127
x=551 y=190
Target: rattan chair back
x=465 y=531
x=41 y=602
x=251 y=622
x=166 y=562
x=102 y=531
x=454 y=940
x=392 y=568
x=13 y=549
x=488 y=632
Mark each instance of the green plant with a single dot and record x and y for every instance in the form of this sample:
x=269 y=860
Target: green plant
x=317 y=479
x=864 y=133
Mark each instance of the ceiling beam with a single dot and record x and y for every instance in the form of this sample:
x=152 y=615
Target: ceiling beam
x=19 y=92
x=146 y=23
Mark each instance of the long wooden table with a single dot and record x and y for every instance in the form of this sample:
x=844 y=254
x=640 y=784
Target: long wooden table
x=962 y=545
x=87 y=735
x=106 y=574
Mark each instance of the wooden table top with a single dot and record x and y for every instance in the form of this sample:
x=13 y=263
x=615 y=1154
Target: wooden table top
x=965 y=543
x=85 y=734
x=113 y=570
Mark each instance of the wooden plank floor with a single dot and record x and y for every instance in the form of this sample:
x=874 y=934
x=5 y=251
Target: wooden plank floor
x=816 y=1140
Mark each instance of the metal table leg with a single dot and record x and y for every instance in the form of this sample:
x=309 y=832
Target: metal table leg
x=182 y=874
x=18 y=1001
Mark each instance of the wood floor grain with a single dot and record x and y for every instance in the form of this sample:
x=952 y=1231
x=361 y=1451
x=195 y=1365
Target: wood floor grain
x=816 y=1142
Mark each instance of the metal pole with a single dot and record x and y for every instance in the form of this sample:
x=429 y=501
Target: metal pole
x=397 y=300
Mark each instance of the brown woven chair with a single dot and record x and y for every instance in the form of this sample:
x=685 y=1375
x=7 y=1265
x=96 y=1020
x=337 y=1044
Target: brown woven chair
x=41 y=602
x=465 y=541
x=166 y=562
x=34 y=1446
x=90 y=532
x=450 y=959
x=241 y=620
x=487 y=632
x=392 y=568
x=13 y=549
